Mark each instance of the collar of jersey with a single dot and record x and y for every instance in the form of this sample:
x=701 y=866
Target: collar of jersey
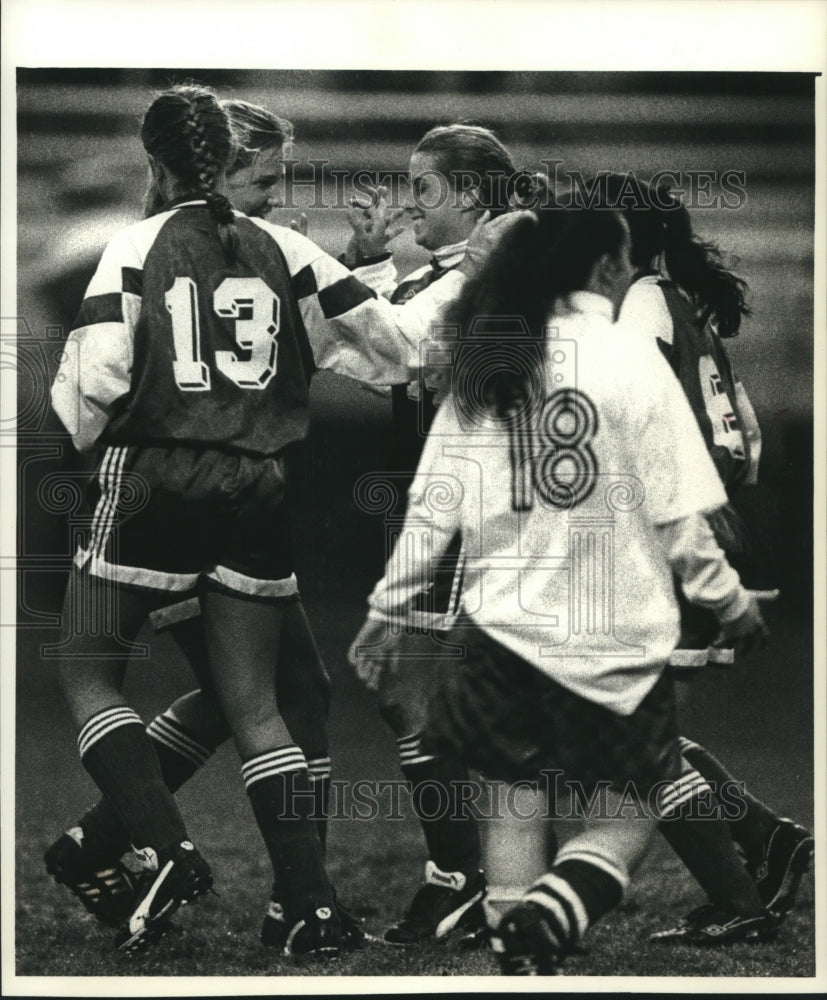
x=190 y=203
x=447 y=257
x=584 y=302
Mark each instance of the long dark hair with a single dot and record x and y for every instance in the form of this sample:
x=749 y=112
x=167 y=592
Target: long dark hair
x=465 y=151
x=545 y=255
x=187 y=131
x=660 y=223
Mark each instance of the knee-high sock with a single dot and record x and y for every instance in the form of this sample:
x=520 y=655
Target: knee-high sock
x=450 y=832
x=319 y=771
x=576 y=893
x=692 y=825
x=121 y=759
x=282 y=798
x=180 y=753
x=751 y=830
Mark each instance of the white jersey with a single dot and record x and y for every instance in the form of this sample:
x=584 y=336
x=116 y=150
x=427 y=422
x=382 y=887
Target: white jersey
x=559 y=517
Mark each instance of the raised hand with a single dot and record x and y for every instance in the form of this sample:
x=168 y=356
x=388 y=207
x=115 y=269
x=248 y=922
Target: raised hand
x=485 y=236
x=300 y=225
x=374 y=224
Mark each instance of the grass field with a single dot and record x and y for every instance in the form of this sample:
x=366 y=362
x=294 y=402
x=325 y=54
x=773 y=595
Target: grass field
x=376 y=865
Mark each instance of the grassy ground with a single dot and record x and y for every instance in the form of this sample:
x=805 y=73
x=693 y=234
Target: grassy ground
x=376 y=865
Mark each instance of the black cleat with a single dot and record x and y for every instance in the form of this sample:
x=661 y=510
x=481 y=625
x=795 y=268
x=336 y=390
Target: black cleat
x=179 y=879
x=786 y=858
x=686 y=926
x=524 y=943
x=447 y=901
x=319 y=934
x=274 y=929
x=711 y=925
x=106 y=889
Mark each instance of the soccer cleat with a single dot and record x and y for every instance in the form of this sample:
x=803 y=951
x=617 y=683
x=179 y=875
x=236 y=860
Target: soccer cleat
x=524 y=943
x=447 y=901
x=681 y=932
x=106 y=889
x=711 y=925
x=786 y=858
x=319 y=933
x=179 y=879
x=274 y=929
x=274 y=926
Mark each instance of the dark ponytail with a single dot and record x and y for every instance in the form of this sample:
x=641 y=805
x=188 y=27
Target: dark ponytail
x=187 y=131
x=502 y=312
x=698 y=268
x=660 y=224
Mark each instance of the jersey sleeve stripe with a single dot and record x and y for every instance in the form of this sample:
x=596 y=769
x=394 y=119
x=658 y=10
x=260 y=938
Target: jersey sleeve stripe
x=132 y=280
x=100 y=309
x=343 y=296
x=337 y=299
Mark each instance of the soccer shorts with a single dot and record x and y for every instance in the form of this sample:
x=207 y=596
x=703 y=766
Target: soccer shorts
x=511 y=721
x=166 y=519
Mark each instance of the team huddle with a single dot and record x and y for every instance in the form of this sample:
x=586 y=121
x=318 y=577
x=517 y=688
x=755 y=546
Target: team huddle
x=569 y=468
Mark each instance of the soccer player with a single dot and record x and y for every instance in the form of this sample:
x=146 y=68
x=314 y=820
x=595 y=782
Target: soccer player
x=686 y=301
x=188 y=367
x=577 y=496
x=87 y=858
x=457 y=172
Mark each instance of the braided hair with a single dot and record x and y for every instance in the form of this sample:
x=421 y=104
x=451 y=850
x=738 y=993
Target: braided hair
x=187 y=131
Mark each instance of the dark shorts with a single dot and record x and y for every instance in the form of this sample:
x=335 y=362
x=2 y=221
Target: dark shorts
x=510 y=721
x=169 y=518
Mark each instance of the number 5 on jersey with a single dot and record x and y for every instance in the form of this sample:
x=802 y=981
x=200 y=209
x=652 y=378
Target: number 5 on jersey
x=254 y=307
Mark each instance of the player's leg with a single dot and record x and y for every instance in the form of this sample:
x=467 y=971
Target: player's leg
x=116 y=750
x=454 y=887
x=588 y=879
x=303 y=696
x=243 y=638
x=777 y=850
x=184 y=736
x=692 y=824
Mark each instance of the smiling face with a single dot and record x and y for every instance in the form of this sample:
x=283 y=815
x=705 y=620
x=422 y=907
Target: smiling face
x=439 y=217
x=259 y=187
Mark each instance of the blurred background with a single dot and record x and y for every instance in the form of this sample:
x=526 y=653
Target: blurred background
x=82 y=175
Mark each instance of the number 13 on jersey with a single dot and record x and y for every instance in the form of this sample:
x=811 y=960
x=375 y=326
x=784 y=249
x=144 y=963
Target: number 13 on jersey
x=254 y=307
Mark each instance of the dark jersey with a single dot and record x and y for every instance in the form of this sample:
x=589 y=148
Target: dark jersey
x=175 y=345
x=221 y=354
x=655 y=307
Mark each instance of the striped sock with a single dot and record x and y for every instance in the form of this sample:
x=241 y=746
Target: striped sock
x=703 y=842
x=119 y=756
x=751 y=830
x=283 y=800
x=180 y=754
x=319 y=771
x=410 y=752
x=451 y=832
x=575 y=894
